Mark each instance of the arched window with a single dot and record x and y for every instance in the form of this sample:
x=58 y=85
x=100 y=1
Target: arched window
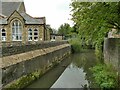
x=16 y=31
x=35 y=35
x=30 y=35
x=3 y=35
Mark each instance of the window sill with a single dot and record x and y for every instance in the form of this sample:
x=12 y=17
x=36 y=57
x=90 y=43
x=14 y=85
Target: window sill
x=35 y=40
x=16 y=40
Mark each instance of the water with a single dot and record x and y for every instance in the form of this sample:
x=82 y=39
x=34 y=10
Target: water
x=73 y=72
x=72 y=77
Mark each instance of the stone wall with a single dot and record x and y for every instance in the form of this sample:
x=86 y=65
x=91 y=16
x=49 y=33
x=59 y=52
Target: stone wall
x=18 y=47
x=18 y=65
x=112 y=52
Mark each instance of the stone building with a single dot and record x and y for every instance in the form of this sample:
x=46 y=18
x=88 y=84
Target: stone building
x=17 y=26
x=56 y=37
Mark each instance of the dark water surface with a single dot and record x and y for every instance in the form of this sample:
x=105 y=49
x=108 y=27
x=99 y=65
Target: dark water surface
x=72 y=72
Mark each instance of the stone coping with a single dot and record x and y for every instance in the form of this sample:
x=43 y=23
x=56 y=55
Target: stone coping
x=17 y=58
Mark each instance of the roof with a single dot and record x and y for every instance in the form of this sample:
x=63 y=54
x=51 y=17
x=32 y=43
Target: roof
x=31 y=20
x=9 y=7
x=3 y=21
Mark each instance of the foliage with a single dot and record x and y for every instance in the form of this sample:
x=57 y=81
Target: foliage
x=93 y=20
x=105 y=76
x=64 y=29
x=24 y=81
x=76 y=44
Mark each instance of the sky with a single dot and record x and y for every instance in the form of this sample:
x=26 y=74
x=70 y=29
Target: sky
x=57 y=12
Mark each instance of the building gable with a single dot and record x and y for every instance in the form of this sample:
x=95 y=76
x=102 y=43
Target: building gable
x=15 y=15
x=21 y=8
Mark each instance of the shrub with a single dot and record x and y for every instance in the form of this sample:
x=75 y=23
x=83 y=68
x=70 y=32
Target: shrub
x=104 y=76
x=75 y=44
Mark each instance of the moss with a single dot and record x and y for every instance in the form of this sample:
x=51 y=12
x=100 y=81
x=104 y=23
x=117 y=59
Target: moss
x=23 y=81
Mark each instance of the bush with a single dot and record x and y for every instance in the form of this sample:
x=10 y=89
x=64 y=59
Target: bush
x=104 y=76
x=76 y=45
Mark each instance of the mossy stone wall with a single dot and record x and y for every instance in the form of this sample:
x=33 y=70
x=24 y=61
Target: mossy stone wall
x=112 y=52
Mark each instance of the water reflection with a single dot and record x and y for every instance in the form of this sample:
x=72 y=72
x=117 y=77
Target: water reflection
x=77 y=74
x=72 y=77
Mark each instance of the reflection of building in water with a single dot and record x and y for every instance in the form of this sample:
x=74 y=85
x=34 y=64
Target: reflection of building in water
x=113 y=33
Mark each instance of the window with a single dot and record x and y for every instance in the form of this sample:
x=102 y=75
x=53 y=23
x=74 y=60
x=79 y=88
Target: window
x=3 y=35
x=35 y=35
x=30 y=35
x=16 y=31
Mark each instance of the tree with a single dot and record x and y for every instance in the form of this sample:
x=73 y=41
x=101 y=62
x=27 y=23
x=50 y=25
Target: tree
x=65 y=29
x=94 y=19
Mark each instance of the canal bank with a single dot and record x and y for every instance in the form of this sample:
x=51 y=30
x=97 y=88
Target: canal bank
x=20 y=69
x=73 y=72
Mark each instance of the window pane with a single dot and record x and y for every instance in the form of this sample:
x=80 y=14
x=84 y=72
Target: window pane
x=16 y=30
x=35 y=38
x=29 y=34
x=3 y=34
x=3 y=38
x=3 y=30
x=30 y=38
x=35 y=33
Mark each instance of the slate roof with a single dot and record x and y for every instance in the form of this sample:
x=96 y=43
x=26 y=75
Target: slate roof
x=31 y=20
x=9 y=7
x=3 y=21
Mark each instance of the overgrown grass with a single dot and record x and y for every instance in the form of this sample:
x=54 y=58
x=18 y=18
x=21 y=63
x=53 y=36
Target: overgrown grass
x=105 y=76
x=76 y=45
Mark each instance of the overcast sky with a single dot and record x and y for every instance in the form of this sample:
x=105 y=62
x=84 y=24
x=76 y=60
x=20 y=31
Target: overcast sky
x=56 y=11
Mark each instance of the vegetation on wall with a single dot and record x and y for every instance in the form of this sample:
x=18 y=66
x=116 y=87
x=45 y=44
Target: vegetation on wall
x=93 y=20
x=105 y=76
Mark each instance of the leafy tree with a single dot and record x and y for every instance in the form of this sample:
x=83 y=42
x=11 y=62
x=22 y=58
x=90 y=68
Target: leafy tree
x=64 y=29
x=93 y=20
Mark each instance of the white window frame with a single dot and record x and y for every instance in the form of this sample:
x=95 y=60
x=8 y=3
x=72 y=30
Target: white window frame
x=30 y=34
x=35 y=31
x=3 y=32
x=16 y=31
